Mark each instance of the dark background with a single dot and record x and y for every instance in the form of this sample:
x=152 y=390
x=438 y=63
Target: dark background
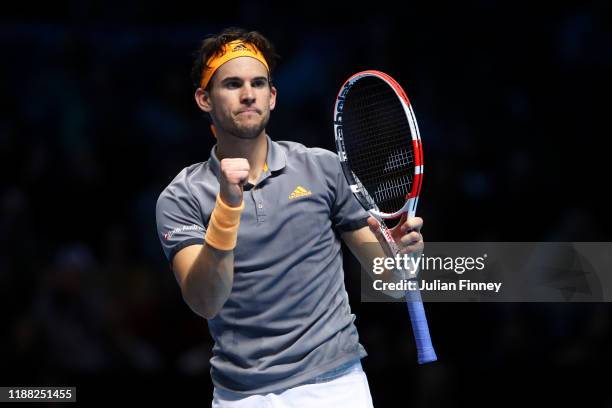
x=97 y=117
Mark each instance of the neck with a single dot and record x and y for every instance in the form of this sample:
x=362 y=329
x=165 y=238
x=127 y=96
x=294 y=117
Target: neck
x=254 y=150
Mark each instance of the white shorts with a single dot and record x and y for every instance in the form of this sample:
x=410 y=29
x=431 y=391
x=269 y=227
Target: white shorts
x=346 y=387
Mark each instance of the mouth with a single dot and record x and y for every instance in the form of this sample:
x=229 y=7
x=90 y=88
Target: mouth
x=249 y=110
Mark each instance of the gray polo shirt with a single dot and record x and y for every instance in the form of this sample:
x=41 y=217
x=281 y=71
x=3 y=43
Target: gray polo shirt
x=287 y=319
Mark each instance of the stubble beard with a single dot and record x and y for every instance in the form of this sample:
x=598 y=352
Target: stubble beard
x=248 y=131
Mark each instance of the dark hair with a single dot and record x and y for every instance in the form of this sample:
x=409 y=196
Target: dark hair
x=212 y=45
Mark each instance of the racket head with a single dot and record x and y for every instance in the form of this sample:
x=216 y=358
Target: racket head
x=379 y=144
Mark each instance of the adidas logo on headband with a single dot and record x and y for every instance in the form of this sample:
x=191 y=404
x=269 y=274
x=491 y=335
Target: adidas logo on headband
x=240 y=47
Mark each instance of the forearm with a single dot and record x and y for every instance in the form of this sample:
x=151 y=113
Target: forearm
x=366 y=248
x=209 y=281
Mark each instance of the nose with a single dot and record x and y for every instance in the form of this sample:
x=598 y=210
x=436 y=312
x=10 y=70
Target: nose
x=247 y=95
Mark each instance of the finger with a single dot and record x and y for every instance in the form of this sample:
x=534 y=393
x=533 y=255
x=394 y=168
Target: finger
x=411 y=238
x=237 y=177
x=377 y=231
x=236 y=167
x=415 y=248
x=402 y=220
x=375 y=227
x=235 y=164
x=397 y=231
x=412 y=224
x=238 y=174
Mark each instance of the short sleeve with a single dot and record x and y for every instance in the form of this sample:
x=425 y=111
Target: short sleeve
x=179 y=220
x=346 y=212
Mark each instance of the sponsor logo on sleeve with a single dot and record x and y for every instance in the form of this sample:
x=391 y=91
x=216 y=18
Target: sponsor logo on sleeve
x=185 y=228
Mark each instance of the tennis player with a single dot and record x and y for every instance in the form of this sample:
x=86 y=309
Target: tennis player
x=253 y=237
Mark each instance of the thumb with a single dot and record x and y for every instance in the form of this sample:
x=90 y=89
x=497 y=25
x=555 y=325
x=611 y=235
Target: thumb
x=375 y=227
x=398 y=230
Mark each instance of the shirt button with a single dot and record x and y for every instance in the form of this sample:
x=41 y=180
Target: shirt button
x=259 y=205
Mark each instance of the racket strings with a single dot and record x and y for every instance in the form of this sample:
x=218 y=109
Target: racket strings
x=373 y=116
x=396 y=158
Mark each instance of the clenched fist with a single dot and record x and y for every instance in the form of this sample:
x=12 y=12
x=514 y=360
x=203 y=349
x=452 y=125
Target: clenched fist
x=234 y=175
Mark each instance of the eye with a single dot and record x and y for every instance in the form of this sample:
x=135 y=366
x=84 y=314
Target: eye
x=233 y=84
x=259 y=83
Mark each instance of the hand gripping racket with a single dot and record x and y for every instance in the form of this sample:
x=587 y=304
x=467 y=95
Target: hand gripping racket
x=379 y=146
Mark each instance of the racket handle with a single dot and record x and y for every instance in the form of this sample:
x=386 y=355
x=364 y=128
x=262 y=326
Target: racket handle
x=425 y=350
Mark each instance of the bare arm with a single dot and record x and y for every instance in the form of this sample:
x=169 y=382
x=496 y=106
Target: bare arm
x=204 y=273
x=363 y=244
x=206 y=276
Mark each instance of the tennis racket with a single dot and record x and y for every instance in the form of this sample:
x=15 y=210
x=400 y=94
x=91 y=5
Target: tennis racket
x=379 y=147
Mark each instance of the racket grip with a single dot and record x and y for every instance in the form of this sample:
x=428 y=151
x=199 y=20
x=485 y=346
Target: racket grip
x=425 y=350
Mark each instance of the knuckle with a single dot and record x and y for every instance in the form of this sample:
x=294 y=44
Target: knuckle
x=415 y=222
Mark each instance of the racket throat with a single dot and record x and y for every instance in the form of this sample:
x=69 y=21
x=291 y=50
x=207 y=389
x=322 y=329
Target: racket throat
x=387 y=235
x=409 y=207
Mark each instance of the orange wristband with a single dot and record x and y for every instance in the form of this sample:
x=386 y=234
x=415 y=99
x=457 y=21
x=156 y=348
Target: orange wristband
x=222 y=232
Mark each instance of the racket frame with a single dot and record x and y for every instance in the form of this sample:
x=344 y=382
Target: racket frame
x=425 y=351
x=412 y=197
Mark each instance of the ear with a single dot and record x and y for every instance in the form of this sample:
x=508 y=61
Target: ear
x=272 y=97
x=203 y=100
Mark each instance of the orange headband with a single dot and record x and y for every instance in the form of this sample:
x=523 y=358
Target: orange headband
x=231 y=50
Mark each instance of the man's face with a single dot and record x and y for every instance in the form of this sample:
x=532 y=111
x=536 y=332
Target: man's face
x=241 y=97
